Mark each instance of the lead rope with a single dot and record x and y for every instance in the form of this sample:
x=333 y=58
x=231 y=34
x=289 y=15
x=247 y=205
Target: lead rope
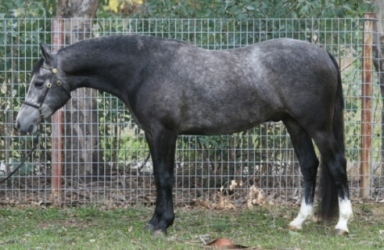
x=36 y=143
x=36 y=139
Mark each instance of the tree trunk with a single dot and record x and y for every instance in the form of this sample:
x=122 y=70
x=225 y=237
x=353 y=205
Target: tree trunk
x=81 y=138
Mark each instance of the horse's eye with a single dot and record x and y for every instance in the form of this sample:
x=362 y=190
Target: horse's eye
x=39 y=83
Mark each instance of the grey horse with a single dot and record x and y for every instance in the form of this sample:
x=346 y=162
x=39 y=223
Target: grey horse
x=173 y=88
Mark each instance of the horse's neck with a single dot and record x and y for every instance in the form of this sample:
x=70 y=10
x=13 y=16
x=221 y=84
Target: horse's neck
x=99 y=70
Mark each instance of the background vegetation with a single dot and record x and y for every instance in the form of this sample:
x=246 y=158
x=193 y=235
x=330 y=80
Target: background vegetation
x=24 y=24
x=231 y=24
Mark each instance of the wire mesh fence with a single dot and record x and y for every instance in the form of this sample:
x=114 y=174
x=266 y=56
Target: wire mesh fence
x=118 y=169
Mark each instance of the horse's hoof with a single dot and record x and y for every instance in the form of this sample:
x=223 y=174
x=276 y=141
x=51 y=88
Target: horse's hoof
x=341 y=232
x=294 y=228
x=155 y=232
x=149 y=227
x=159 y=233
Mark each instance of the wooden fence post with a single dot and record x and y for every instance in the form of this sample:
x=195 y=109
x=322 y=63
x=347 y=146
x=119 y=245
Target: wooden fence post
x=57 y=126
x=366 y=112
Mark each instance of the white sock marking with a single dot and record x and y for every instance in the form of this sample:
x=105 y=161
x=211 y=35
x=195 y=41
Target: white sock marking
x=306 y=211
x=345 y=214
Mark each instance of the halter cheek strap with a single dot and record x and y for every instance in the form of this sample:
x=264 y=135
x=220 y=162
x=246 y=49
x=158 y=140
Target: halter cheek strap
x=64 y=89
x=58 y=82
x=49 y=86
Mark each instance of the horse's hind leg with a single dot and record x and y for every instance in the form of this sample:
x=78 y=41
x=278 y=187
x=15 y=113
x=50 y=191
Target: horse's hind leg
x=162 y=144
x=309 y=163
x=334 y=177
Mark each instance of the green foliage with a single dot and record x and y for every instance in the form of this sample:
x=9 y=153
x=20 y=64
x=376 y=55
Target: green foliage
x=19 y=39
x=245 y=9
x=27 y=8
x=116 y=126
x=231 y=24
x=237 y=9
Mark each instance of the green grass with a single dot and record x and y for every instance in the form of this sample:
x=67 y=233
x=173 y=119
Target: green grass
x=261 y=228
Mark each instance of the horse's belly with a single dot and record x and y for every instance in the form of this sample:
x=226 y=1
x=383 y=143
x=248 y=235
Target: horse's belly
x=228 y=123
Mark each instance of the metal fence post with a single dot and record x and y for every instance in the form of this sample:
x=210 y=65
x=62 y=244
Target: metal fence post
x=366 y=112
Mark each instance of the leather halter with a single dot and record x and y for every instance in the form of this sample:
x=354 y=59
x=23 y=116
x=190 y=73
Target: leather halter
x=49 y=86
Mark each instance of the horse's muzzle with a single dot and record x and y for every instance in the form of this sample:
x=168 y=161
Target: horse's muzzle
x=27 y=120
x=30 y=131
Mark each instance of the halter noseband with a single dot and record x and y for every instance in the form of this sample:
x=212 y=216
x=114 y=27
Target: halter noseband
x=49 y=85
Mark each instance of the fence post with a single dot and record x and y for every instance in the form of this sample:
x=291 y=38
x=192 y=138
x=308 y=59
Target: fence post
x=57 y=126
x=366 y=113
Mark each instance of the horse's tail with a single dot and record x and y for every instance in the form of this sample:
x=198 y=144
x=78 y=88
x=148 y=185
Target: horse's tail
x=329 y=195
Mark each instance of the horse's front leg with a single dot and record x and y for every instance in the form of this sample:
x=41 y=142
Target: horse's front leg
x=162 y=145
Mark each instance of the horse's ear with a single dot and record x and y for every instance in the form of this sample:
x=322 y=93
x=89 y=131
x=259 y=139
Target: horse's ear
x=47 y=56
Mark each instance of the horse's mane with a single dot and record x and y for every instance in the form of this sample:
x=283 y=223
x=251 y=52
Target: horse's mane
x=113 y=40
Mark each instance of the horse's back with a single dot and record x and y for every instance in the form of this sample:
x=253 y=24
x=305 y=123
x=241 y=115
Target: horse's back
x=214 y=92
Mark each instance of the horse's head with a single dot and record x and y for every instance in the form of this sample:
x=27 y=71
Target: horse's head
x=47 y=92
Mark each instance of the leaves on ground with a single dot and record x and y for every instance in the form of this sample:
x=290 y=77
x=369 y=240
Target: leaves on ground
x=224 y=243
x=223 y=200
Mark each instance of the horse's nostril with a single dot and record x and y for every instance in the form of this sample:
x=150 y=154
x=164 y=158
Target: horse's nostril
x=30 y=130
x=18 y=125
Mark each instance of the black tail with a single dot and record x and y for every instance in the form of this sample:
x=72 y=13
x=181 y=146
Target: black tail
x=329 y=195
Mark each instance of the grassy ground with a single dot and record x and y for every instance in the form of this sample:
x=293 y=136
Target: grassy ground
x=260 y=228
